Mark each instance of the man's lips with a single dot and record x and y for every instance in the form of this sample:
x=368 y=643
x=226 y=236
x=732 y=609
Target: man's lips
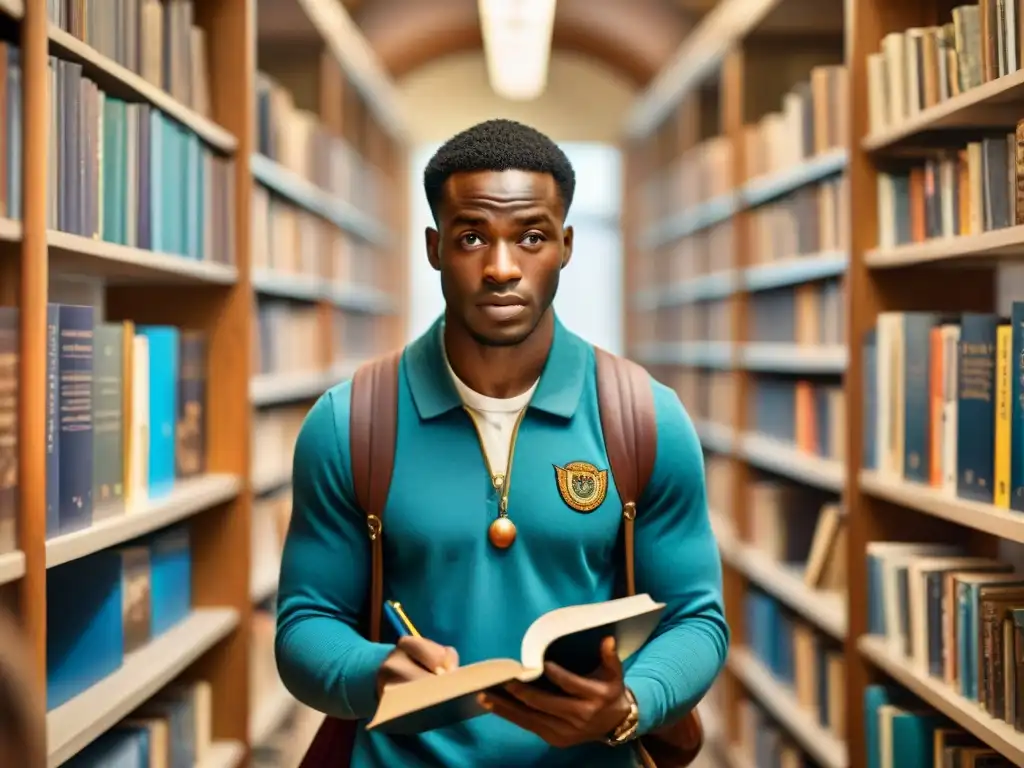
x=502 y=312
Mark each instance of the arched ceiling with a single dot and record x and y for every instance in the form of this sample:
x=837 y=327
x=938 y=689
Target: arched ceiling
x=635 y=37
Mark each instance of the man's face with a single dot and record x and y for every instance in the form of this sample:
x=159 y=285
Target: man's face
x=500 y=246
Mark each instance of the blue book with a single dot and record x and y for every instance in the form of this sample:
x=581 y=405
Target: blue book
x=84 y=626
x=52 y=421
x=976 y=417
x=119 y=748
x=74 y=416
x=163 y=406
x=869 y=378
x=875 y=697
x=170 y=579
x=1017 y=407
x=913 y=738
x=917 y=426
x=158 y=150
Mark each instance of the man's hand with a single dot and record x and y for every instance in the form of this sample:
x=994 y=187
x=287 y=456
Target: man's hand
x=415 y=657
x=592 y=708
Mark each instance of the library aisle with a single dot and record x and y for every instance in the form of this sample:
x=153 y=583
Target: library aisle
x=196 y=242
x=823 y=210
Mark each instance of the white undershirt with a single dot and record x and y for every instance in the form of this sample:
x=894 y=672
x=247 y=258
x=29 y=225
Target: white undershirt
x=495 y=418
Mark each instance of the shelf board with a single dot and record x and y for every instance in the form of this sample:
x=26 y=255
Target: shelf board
x=999 y=242
x=696 y=59
x=274 y=388
x=288 y=286
x=223 y=754
x=718 y=285
x=75 y=724
x=355 y=298
x=74 y=254
x=10 y=230
x=766 y=188
x=780 y=701
x=12 y=566
x=312 y=198
x=271 y=482
x=711 y=720
x=122 y=81
x=826 y=610
x=364 y=68
x=699 y=354
x=688 y=222
x=188 y=497
x=270 y=714
x=735 y=758
x=343 y=371
x=1004 y=523
x=262 y=584
x=787 y=460
x=796 y=270
x=995 y=103
x=793 y=358
x=717 y=437
x=360 y=298
x=999 y=735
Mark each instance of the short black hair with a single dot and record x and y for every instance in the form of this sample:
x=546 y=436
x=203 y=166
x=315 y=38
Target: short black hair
x=498 y=145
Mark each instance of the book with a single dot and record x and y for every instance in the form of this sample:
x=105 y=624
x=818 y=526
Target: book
x=569 y=636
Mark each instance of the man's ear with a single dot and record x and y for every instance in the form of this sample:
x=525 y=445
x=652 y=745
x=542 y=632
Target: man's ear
x=567 y=239
x=433 y=240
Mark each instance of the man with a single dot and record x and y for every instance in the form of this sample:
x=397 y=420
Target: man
x=480 y=538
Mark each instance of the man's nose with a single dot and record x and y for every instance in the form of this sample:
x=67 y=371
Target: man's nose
x=502 y=265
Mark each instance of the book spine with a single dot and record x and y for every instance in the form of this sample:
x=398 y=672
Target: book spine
x=976 y=407
x=75 y=417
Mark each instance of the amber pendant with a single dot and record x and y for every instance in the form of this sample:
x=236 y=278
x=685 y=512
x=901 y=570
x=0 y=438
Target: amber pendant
x=502 y=533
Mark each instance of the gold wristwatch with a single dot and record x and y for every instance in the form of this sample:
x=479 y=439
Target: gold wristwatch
x=626 y=731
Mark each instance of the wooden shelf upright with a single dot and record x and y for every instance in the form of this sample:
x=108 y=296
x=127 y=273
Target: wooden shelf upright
x=951 y=270
x=61 y=247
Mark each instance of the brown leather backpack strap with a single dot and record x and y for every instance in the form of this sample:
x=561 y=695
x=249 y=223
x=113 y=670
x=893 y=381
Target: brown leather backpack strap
x=629 y=423
x=626 y=402
x=373 y=429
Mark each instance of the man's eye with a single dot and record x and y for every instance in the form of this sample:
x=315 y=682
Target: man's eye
x=471 y=239
x=533 y=239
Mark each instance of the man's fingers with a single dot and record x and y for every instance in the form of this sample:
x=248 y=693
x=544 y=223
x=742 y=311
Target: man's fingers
x=428 y=654
x=403 y=668
x=552 y=704
x=399 y=668
x=519 y=714
x=574 y=685
x=611 y=666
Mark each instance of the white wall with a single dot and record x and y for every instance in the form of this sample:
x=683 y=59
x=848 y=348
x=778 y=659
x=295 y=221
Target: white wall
x=584 y=99
x=589 y=299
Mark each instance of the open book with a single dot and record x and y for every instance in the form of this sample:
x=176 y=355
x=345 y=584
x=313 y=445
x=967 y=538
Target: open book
x=570 y=637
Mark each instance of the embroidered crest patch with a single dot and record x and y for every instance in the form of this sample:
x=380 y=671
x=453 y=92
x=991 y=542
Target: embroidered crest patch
x=582 y=485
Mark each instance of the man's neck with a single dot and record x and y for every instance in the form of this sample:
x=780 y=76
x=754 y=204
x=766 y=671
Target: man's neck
x=499 y=372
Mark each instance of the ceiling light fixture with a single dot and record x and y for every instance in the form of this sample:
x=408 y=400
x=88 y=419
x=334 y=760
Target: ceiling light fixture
x=517 y=45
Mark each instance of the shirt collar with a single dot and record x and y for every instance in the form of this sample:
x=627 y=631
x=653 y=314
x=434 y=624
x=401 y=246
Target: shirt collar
x=558 y=391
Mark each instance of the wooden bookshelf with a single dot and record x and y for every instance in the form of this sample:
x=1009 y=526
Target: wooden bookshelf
x=702 y=198
x=211 y=285
x=694 y=298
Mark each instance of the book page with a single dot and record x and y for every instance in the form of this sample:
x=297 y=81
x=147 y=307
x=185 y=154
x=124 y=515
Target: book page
x=437 y=700
x=630 y=619
x=569 y=636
